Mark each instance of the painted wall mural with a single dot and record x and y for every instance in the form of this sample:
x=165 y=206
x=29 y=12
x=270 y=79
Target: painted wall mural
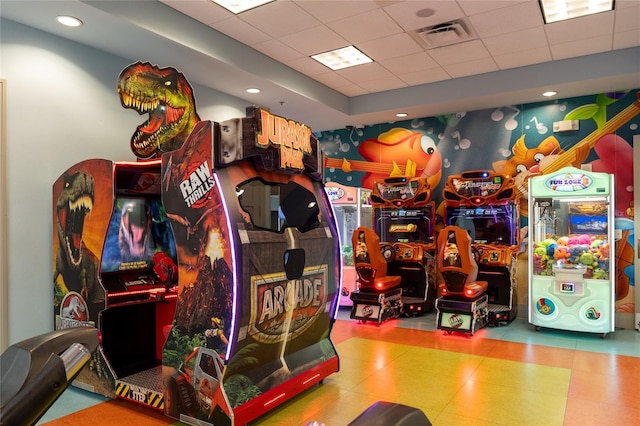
x=514 y=139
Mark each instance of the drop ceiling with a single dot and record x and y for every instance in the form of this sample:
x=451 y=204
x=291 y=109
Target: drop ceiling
x=430 y=57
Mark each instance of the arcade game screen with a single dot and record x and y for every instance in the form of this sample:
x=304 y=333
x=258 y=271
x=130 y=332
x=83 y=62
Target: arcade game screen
x=491 y=224
x=411 y=225
x=138 y=229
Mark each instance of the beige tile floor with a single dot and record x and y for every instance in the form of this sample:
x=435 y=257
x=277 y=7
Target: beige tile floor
x=509 y=375
x=456 y=380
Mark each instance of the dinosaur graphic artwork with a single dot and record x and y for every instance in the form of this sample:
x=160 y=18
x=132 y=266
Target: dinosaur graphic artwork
x=76 y=266
x=164 y=94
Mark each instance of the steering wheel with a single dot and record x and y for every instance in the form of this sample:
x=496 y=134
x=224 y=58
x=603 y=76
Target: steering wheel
x=388 y=252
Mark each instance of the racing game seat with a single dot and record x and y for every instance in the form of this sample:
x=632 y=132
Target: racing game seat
x=370 y=264
x=458 y=267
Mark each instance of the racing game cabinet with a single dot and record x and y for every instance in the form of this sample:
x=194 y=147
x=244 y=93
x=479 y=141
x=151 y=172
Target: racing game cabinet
x=379 y=296
x=464 y=303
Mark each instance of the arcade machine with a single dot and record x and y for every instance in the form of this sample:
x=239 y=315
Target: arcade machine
x=211 y=273
x=259 y=268
x=485 y=204
x=352 y=207
x=463 y=306
x=404 y=222
x=379 y=295
x=571 y=263
x=111 y=237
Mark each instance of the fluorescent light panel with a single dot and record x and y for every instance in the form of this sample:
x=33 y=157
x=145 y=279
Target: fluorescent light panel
x=239 y=6
x=560 y=10
x=344 y=57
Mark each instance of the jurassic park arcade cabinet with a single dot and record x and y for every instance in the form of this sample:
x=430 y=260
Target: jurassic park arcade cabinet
x=110 y=233
x=210 y=266
x=259 y=257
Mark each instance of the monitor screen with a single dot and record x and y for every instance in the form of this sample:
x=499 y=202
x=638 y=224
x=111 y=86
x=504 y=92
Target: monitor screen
x=580 y=224
x=138 y=229
x=410 y=225
x=492 y=224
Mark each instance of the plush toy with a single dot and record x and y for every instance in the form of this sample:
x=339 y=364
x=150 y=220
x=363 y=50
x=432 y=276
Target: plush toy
x=595 y=244
x=588 y=259
x=583 y=239
x=540 y=251
x=603 y=251
x=561 y=253
x=600 y=274
x=563 y=241
x=540 y=261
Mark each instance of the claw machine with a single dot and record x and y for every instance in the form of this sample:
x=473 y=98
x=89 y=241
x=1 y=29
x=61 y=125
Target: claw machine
x=571 y=256
x=353 y=209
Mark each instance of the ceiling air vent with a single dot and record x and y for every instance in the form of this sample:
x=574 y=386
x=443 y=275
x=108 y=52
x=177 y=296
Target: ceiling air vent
x=444 y=34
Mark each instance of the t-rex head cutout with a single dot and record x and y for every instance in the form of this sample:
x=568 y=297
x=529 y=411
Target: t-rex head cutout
x=166 y=95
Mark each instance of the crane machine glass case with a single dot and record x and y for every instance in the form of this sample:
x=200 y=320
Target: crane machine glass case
x=571 y=260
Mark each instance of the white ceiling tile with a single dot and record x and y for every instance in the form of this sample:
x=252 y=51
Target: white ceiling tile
x=367 y=26
x=425 y=76
x=307 y=66
x=278 y=50
x=390 y=47
x=240 y=30
x=582 y=47
x=509 y=30
x=623 y=4
x=382 y=84
x=365 y=72
x=580 y=28
x=352 y=90
x=332 y=79
x=517 y=41
x=507 y=20
x=279 y=18
x=461 y=52
x=474 y=7
x=409 y=63
x=523 y=58
x=479 y=66
x=626 y=39
x=406 y=13
x=627 y=19
x=315 y=40
x=333 y=10
x=204 y=11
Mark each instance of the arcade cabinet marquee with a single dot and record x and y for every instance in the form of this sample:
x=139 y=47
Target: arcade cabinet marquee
x=211 y=272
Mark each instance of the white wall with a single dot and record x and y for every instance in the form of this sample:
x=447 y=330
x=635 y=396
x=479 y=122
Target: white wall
x=62 y=108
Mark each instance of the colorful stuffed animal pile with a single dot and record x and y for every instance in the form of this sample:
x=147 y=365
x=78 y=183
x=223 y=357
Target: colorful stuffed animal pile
x=573 y=250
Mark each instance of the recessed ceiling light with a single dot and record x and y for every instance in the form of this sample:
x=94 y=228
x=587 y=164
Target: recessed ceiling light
x=344 y=57
x=549 y=93
x=69 y=21
x=253 y=90
x=560 y=10
x=401 y=114
x=239 y=6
